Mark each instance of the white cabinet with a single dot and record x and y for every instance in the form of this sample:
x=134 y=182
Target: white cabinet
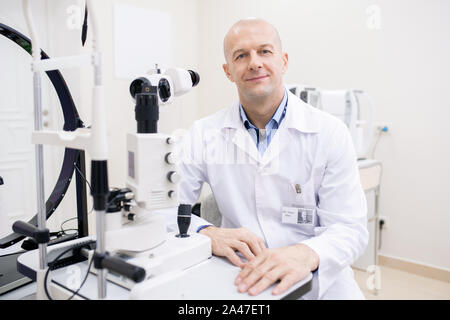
x=370 y=173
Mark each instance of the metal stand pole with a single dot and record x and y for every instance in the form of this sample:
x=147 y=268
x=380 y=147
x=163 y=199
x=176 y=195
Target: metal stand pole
x=39 y=158
x=102 y=272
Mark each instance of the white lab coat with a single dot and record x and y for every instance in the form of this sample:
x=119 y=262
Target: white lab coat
x=311 y=149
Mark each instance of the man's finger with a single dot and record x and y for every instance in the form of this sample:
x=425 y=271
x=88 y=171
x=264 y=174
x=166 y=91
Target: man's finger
x=255 y=244
x=233 y=257
x=262 y=244
x=286 y=282
x=251 y=240
x=243 y=248
x=267 y=280
x=249 y=267
x=256 y=273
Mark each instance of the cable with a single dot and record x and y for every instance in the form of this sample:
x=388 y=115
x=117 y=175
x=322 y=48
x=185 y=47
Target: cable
x=87 y=182
x=70 y=230
x=82 y=176
x=54 y=262
x=84 y=280
x=64 y=222
x=48 y=271
x=64 y=252
x=380 y=131
x=74 y=218
x=376 y=142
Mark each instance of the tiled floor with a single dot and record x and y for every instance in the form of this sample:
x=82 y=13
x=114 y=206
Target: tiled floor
x=401 y=285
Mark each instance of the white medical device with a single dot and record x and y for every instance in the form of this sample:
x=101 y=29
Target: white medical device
x=345 y=105
x=94 y=141
x=132 y=244
x=134 y=233
x=170 y=83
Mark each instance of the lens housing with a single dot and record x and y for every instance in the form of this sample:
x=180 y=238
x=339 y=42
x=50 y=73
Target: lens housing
x=195 y=77
x=137 y=86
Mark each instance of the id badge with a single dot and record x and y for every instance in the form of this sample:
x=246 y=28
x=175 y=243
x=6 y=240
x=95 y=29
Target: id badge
x=301 y=215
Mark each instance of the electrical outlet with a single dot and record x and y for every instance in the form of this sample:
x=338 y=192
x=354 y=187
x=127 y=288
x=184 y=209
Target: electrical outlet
x=385 y=219
x=383 y=126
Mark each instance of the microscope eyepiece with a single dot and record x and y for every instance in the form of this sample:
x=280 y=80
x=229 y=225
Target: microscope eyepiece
x=137 y=86
x=195 y=77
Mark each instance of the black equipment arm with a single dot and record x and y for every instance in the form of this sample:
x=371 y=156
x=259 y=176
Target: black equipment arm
x=104 y=261
x=29 y=230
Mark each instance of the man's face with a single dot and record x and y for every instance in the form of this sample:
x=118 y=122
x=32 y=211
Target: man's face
x=254 y=59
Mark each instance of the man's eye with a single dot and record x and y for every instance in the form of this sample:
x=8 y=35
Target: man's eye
x=265 y=51
x=240 y=56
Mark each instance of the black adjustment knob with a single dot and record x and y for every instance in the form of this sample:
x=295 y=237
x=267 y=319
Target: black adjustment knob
x=164 y=89
x=140 y=85
x=184 y=220
x=172 y=194
x=170 y=158
x=173 y=177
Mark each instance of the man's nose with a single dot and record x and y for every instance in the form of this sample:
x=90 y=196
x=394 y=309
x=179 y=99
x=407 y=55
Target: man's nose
x=255 y=62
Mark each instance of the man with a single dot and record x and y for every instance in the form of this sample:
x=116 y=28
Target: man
x=284 y=176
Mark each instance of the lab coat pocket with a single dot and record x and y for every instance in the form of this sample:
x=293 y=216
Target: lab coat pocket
x=301 y=193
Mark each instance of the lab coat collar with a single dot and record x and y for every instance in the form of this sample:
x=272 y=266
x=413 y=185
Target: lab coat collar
x=299 y=116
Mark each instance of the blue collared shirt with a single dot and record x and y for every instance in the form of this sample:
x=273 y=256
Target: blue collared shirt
x=262 y=138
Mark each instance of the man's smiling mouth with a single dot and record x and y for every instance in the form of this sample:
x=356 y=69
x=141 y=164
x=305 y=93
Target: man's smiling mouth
x=257 y=78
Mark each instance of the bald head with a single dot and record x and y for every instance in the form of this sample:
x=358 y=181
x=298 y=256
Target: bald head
x=255 y=62
x=247 y=26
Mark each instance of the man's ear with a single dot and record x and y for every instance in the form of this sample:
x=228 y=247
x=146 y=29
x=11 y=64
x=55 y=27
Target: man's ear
x=226 y=69
x=285 y=58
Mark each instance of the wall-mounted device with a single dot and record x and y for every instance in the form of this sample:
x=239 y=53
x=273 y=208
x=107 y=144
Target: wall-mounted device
x=345 y=105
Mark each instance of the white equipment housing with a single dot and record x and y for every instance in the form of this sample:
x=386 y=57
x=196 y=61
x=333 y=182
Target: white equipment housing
x=182 y=81
x=145 y=241
x=345 y=105
x=179 y=81
x=170 y=257
x=152 y=175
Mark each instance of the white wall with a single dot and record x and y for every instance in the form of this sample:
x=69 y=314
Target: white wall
x=404 y=66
